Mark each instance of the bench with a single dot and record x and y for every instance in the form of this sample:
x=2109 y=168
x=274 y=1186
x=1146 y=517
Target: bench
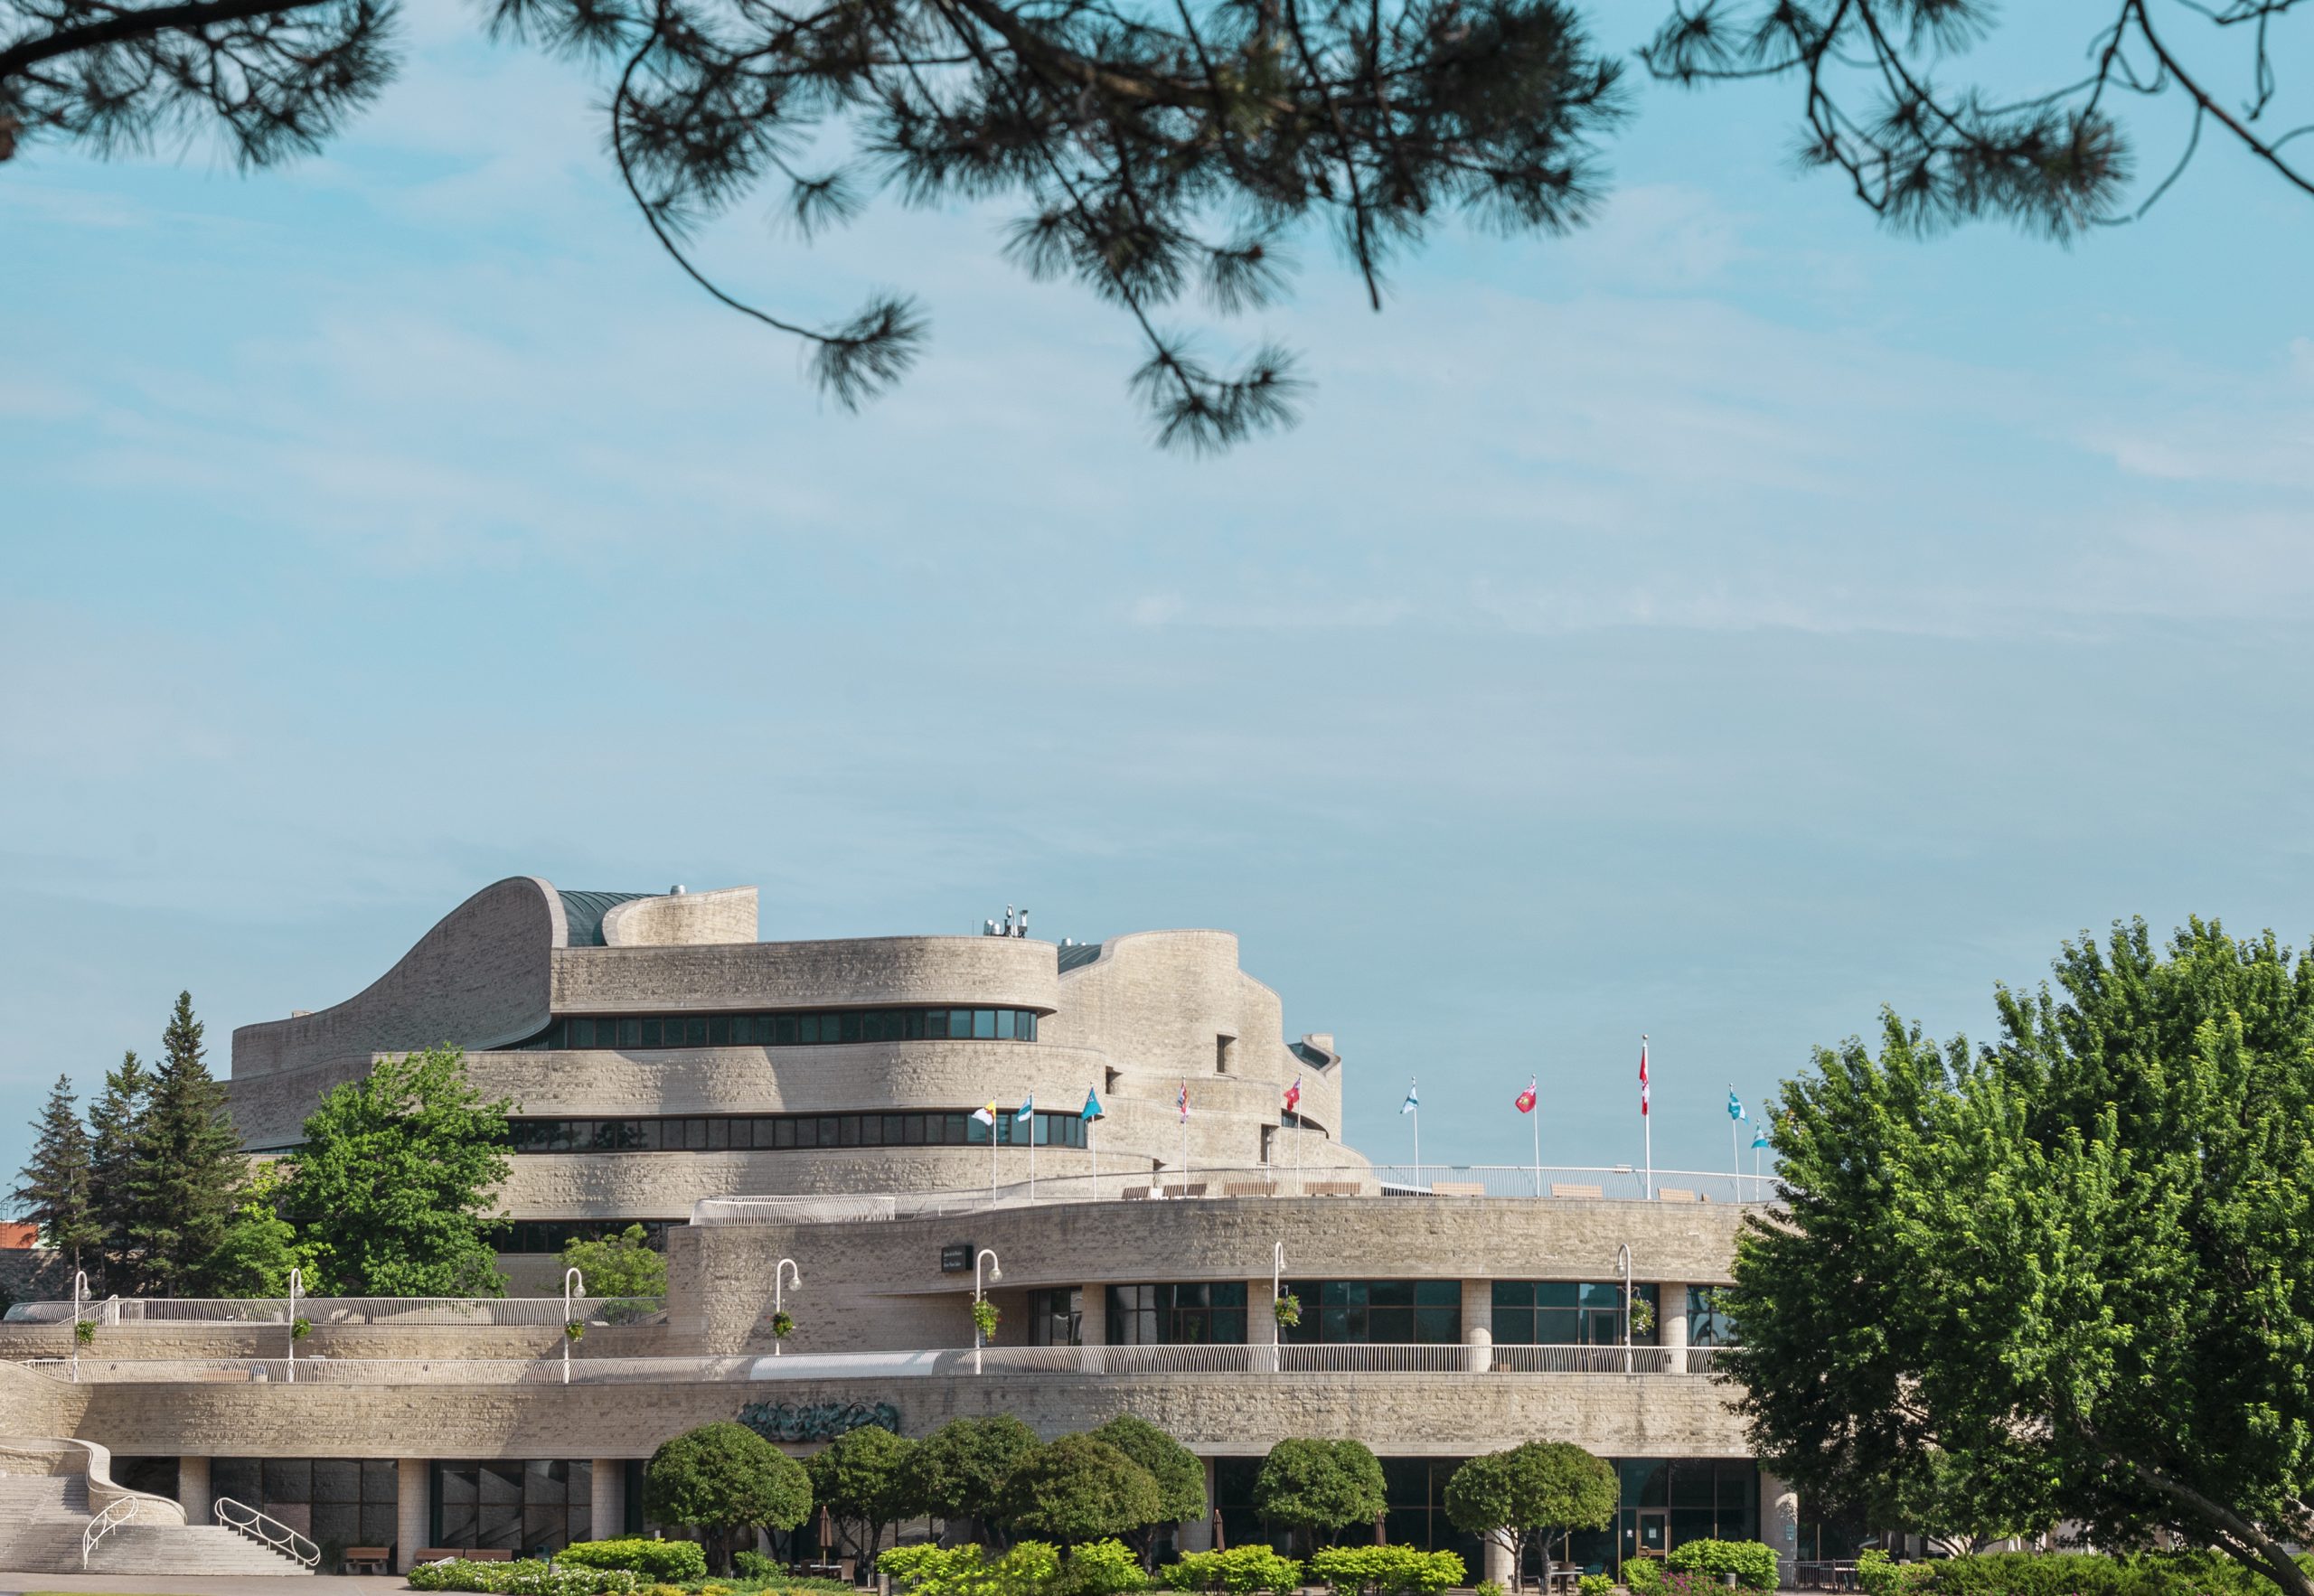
x=1243 y=1189
x=1672 y=1194
x=470 y=1553
x=1330 y=1188
x=1559 y=1189
x=1134 y=1194
x=1196 y=1189
x=1456 y=1189
x=369 y=1559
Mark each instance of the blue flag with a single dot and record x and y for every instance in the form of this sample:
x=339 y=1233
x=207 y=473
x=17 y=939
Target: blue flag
x=1760 y=1137
x=1091 y=1106
x=1028 y=1107
x=1412 y=1101
x=1734 y=1105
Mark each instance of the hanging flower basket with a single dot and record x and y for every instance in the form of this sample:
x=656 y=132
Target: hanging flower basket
x=574 y=1329
x=985 y=1318
x=84 y=1330
x=1289 y=1311
x=300 y=1328
x=1642 y=1316
x=783 y=1325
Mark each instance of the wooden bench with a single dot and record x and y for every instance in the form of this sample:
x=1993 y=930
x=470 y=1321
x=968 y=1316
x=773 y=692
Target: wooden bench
x=1134 y=1194
x=1673 y=1194
x=369 y=1559
x=1244 y=1189
x=1559 y=1189
x=469 y=1554
x=1195 y=1189
x=1330 y=1188
x=1456 y=1189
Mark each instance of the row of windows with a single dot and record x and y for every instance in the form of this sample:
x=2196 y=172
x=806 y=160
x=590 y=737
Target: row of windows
x=1549 y=1313
x=1571 y=1313
x=530 y=1508
x=1393 y=1311
x=551 y=1235
x=790 y=1029
x=1159 y=1315
x=781 y=1133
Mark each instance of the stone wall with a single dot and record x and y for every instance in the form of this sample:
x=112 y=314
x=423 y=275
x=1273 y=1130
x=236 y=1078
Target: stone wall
x=726 y=913
x=989 y=972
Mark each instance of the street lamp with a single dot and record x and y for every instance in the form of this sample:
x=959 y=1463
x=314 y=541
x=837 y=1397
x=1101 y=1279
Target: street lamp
x=1623 y=1261
x=1276 y=1288
x=79 y=1293
x=571 y=1277
x=784 y=1270
x=296 y=1290
x=995 y=1271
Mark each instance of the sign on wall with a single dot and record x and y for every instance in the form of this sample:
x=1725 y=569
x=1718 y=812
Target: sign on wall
x=817 y=1421
x=956 y=1258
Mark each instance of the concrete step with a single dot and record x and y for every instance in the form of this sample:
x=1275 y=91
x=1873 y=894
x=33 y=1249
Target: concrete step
x=42 y=1518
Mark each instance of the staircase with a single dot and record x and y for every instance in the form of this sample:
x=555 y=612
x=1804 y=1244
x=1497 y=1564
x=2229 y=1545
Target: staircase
x=42 y=1517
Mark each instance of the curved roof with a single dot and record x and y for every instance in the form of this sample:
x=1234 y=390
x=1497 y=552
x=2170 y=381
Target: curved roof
x=583 y=912
x=1079 y=954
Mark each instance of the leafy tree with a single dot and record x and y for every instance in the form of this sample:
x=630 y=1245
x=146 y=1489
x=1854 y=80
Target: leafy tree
x=863 y=1479
x=1079 y=1489
x=114 y=1119
x=54 y=1191
x=621 y=1265
x=720 y=1479
x=1318 y=1487
x=260 y=1246
x=2063 y=1278
x=958 y=1472
x=391 y=1191
x=1529 y=1496
x=186 y=1168
x=1179 y=1472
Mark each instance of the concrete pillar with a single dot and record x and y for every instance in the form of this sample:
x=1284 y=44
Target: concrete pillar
x=1477 y=1355
x=1671 y=1316
x=413 y=1512
x=1197 y=1535
x=1478 y=1308
x=1779 y=1525
x=608 y=1509
x=192 y=1489
x=1093 y=1315
x=1494 y=1560
x=1261 y=1313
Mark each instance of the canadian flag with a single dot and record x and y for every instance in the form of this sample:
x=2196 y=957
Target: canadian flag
x=1293 y=1095
x=1526 y=1100
x=1642 y=1077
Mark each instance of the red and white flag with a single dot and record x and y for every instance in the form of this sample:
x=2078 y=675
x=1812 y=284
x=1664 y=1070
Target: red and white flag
x=1526 y=1100
x=1293 y=1095
x=1642 y=1077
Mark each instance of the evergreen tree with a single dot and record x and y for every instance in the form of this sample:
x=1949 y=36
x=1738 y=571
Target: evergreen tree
x=55 y=1193
x=391 y=1191
x=114 y=1119
x=185 y=1174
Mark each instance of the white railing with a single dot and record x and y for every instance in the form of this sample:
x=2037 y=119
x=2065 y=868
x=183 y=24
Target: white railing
x=122 y=1511
x=1553 y=1183
x=364 y=1312
x=1260 y=1359
x=266 y=1530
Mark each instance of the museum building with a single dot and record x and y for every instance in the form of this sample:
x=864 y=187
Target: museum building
x=1113 y=1142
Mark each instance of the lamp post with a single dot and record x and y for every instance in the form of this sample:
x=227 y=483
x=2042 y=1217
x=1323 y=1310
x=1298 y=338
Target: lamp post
x=296 y=1289
x=1276 y=1288
x=783 y=1270
x=571 y=1277
x=1623 y=1261
x=995 y=1271
x=80 y=1294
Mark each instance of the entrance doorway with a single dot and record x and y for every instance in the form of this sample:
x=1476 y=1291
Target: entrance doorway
x=1655 y=1532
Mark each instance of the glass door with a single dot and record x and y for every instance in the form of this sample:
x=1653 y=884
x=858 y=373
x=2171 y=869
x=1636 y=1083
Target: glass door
x=1655 y=1532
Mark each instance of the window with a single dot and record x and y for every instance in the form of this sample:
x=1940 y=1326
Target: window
x=1385 y=1311
x=335 y=1502
x=550 y=1236
x=1057 y=1316
x=768 y=1132
x=1167 y=1315
x=1225 y=1050
x=531 y=1508
x=1708 y=1324
x=1704 y=1499
x=835 y=1026
x=1570 y=1313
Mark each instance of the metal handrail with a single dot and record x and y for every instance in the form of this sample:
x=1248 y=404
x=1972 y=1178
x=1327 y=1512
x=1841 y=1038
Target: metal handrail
x=368 y=1312
x=261 y=1527
x=121 y=1510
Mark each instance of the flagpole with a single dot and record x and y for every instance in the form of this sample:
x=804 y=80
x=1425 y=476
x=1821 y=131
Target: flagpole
x=1418 y=1133
x=991 y=1160
x=1537 y=1115
x=1646 y=1119
x=1032 y=1152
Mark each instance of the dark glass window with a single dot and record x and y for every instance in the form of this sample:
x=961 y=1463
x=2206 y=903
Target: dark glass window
x=550 y=1236
x=1708 y=1324
x=1167 y=1315
x=1384 y=1311
x=336 y=1502
x=1057 y=1316
x=531 y=1507
x=1570 y=1313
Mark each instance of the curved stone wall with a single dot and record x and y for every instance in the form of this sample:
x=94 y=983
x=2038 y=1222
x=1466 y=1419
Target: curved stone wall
x=993 y=972
x=725 y=914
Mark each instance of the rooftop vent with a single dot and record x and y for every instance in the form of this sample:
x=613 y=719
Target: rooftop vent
x=676 y=890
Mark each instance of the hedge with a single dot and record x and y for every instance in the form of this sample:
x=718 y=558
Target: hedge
x=1752 y=1562
x=2085 y=1573
x=1239 y=1571
x=668 y=1561
x=1386 y=1571
x=525 y=1577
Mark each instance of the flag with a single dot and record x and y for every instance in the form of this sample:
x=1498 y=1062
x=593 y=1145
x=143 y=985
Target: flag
x=1760 y=1137
x=1293 y=1094
x=1028 y=1106
x=1182 y=1103
x=1091 y=1106
x=986 y=1116
x=1642 y=1077
x=1526 y=1100
x=1734 y=1105
x=1412 y=1101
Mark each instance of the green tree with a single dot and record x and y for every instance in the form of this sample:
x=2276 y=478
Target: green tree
x=114 y=1121
x=54 y=1189
x=1318 y=1487
x=863 y=1479
x=2063 y=1278
x=187 y=1167
x=621 y=1265
x=1179 y=1472
x=1077 y=1490
x=958 y=1472
x=1531 y=1495
x=260 y=1246
x=720 y=1479
x=392 y=1192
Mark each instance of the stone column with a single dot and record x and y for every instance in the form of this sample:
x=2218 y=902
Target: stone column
x=609 y=1504
x=1261 y=1313
x=1477 y=1355
x=1093 y=1315
x=1494 y=1560
x=413 y=1513
x=1197 y=1534
x=1779 y=1525
x=192 y=1489
x=1672 y=1324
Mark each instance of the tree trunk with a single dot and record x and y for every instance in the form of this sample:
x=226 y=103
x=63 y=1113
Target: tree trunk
x=2235 y=1536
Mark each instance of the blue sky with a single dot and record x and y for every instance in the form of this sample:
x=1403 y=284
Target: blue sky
x=1719 y=624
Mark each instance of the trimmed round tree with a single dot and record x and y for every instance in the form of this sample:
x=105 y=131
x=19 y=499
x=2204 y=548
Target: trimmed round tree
x=1078 y=1489
x=863 y=1477
x=1320 y=1488
x=1179 y=1472
x=958 y=1472
x=1532 y=1493
x=720 y=1479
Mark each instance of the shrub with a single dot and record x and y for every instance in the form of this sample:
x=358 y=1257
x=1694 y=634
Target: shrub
x=1029 y=1569
x=1239 y=1571
x=1876 y=1572
x=1101 y=1568
x=1387 y=1571
x=1595 y=1584
x=524 y=1577
x=1644 y=1576
x=1752 y=1562
x=2067 y=1574
x=671 y=1561
x=753 y=1565
x=1487 y=1588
